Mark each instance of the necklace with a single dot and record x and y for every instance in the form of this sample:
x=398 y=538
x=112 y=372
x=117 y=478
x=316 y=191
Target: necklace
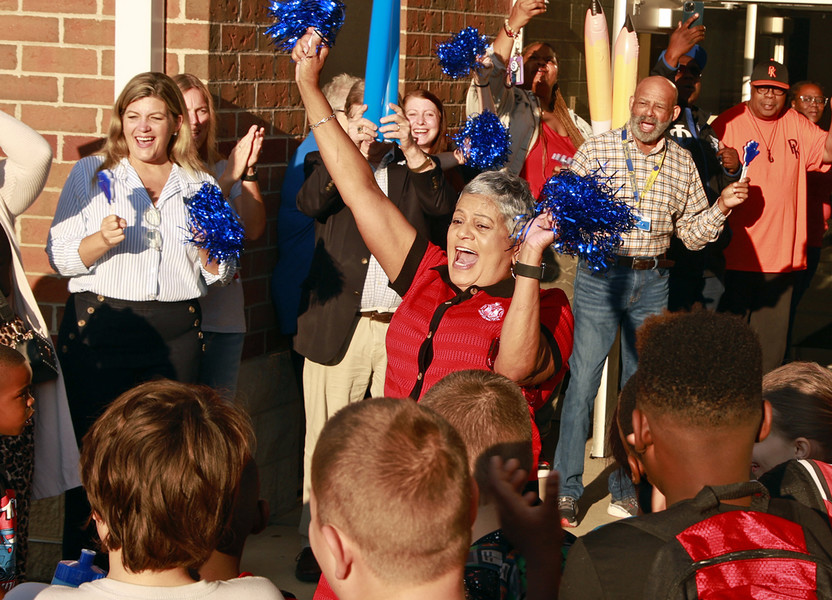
x=768 y=143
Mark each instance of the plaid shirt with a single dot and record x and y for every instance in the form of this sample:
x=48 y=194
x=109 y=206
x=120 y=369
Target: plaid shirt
x=676 y=201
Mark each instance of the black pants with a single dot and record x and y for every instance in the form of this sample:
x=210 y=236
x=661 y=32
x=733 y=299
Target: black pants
x=763 y=300
x=108 y=346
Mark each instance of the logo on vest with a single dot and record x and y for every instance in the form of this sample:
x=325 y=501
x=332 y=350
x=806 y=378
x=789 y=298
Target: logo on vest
x=492 y=312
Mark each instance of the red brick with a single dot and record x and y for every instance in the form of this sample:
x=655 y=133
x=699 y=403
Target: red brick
x=9 y=109
x=45 y=205
x=65 y=119
x=52 y=139
x=260 y=317
x=274 y=151
x=109 y=8
x=238 y=38
x=8 y=4
x=57 y=175
x=8 y=57
x=33 y=230
x=49 y=288
x=254 y=345
x=91 y=32
x=30 y=29
x=172 y=64
x=199 y=10
x=223 y=67
x=88 y=90
x=87 y=7
x=256 y=290
x=225 y=12
x=108 y=63
x=255 y=11
x=52 y=59
x=198 y=64
x=192 y=36
x=257 y=66
x=240 y=95
x=29 y=88
x=227 y=124
x=46 y=311
x=77 y=147
x=35 y=260
x=172 y=9
x=272 y=95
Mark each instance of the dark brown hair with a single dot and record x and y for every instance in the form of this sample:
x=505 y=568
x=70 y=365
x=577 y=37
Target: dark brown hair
x=161 y=467
x=800 y=394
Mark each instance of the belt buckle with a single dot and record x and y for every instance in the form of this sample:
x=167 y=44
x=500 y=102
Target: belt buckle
x=645 y=260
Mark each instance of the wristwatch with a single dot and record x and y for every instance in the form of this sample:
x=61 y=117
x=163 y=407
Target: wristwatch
x=532 y=272
x=252 y=177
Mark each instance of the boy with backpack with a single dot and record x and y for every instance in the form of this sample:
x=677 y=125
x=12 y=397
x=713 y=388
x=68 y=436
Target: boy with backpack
x=699 y=410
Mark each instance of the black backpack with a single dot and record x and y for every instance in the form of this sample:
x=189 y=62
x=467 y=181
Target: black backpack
x=775 y=549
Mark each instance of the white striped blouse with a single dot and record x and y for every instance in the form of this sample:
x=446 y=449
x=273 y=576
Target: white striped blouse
x=154 y=262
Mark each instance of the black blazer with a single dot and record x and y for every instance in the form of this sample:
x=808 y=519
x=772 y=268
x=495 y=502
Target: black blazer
x=331 y=294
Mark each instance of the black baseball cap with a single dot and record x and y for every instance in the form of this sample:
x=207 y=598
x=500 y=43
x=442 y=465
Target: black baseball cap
x=770 y=73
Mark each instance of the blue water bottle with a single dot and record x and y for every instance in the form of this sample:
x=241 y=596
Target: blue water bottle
x=73 y=573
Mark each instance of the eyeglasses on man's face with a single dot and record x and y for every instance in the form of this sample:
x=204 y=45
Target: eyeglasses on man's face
x=765 y=90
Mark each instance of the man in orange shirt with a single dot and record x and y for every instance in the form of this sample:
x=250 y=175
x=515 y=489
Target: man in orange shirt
x=768 y=243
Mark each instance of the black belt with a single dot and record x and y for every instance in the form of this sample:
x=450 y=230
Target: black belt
x=644 y=263
x=381 y=317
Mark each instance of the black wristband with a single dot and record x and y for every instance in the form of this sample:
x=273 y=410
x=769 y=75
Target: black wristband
x=247 y=177
x=530 y=271
x=482 y=85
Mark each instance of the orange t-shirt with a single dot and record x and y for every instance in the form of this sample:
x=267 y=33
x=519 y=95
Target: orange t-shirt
x=768 y=231
x=540 y=165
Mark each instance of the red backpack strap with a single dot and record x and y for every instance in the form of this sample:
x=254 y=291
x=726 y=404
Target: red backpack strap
x=821 y=474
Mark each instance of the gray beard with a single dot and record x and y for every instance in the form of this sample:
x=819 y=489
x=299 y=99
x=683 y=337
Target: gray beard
x=648 y=138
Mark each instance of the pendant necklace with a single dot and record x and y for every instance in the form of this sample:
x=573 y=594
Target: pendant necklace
x=773 y=135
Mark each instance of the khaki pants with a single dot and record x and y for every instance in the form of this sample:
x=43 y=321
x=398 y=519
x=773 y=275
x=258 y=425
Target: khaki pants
x=327 y=389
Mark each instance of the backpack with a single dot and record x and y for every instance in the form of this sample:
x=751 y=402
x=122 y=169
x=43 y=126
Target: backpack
x=807 y=481
x=775 y=549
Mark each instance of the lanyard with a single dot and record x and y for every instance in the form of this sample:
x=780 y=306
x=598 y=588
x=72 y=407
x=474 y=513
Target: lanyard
x=651 y=179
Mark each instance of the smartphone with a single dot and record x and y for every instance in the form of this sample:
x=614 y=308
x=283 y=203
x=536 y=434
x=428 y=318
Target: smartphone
x=689 y=8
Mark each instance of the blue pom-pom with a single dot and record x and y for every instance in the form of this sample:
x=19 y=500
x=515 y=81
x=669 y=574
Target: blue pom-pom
x=485 y=142
x=295 y=16
x=459 y=55
x=590 y=221
x=214 y=226
x=105 y=179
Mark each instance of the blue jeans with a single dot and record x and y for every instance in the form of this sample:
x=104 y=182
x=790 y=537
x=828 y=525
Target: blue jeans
x=602 y=302
x=221 y=362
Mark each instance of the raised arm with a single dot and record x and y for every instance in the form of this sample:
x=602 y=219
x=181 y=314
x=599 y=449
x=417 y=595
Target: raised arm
x=249 y=201
x=525 y=355
x=827 y=148
x=23 y=173
x=386 y=232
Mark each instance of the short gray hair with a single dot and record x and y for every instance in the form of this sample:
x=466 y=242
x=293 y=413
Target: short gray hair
x=336 y=90
x=510 y=194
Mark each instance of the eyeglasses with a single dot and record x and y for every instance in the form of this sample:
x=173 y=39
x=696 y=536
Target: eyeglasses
x=765 y=89
x=153 y=237
x=814 y=100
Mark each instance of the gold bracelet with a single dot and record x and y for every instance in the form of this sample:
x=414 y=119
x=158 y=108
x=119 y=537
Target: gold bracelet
x=428 y=161
x=322 y=121
x=510 y=32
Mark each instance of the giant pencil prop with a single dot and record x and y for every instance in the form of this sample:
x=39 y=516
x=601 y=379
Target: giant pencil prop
x=624 y=73
x=598 y=76
x=381 y=76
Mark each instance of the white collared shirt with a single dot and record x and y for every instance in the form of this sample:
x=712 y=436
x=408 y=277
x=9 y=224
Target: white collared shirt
x=133 y=270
